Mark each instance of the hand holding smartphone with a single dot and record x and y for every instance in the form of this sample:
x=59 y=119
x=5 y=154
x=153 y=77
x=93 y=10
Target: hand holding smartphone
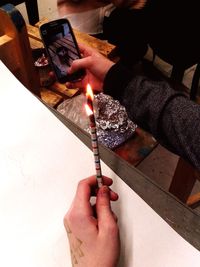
x=62 y=48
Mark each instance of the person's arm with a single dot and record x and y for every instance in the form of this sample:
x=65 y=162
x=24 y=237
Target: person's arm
x=92 y=230
x=169 y=115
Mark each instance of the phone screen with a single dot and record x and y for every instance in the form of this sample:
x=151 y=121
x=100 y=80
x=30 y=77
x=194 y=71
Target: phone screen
x=61 y=48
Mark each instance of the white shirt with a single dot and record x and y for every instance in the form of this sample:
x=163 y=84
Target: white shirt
x=91 y=21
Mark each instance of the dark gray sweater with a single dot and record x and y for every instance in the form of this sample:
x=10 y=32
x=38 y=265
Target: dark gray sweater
x=168 y=115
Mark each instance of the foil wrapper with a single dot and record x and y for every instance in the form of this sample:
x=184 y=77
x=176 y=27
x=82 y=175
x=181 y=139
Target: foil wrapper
x=113 y=125
x=112 y=122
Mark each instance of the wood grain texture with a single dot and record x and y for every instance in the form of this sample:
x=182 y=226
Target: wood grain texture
x=15 y=49
x=103 y=47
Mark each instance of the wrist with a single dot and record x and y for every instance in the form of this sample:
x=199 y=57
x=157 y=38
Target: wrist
x=116 y=80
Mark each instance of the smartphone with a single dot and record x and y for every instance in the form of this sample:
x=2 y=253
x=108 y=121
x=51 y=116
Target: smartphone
x=62 y=49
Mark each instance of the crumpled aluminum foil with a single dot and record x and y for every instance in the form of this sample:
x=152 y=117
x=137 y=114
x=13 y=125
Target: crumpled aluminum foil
x=112 y=122
x=113 y=125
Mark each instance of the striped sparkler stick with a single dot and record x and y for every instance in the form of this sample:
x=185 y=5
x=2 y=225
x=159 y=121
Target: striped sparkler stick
x=94 y=139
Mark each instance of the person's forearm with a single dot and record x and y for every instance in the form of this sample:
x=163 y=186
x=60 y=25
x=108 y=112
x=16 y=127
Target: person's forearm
x=156 y=107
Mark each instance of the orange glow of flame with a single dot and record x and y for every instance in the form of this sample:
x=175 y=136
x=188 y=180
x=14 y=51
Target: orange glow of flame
x=88 y=110
x=89 y=92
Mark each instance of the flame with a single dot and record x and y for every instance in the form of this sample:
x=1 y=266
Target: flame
x=88 y=110
x=89 y=92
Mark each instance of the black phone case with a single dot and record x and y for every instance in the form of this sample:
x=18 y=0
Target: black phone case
x=52 y=29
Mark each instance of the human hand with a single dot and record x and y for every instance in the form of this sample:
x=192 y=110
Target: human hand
x=96 y=66
x=92 y=230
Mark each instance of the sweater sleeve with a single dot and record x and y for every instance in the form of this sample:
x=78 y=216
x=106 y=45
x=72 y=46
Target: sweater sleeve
x=167 y=114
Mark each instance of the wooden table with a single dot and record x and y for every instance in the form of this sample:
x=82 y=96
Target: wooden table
x=135 y=149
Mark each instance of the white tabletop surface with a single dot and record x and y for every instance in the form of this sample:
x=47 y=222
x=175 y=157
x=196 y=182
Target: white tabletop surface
x=41 y=162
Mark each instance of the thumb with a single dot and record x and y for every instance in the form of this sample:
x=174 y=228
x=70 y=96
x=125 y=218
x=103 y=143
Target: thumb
x=103 y=207
x=78 y=64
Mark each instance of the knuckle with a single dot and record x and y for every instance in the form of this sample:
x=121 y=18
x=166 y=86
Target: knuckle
x=72 y=217
x=104 y=203
x=90 y=61
x=80 y=183
x=112 y=228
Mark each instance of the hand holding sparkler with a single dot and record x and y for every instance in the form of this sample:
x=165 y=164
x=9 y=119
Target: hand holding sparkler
x=91 y=229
